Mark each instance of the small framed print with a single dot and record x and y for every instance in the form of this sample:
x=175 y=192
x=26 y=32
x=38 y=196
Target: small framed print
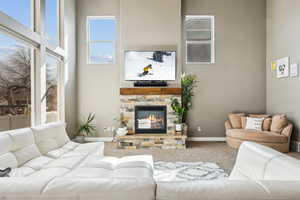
x=283 y=67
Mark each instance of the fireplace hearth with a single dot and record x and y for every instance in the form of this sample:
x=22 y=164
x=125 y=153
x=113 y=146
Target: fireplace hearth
x=151 y=119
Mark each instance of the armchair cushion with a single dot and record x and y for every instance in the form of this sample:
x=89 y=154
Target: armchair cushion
x=235 y=119
x=278 y=123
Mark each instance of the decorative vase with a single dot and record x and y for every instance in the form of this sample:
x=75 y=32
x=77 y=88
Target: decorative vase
x=178 y=128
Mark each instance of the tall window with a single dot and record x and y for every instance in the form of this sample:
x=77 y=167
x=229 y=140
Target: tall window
x=29 y=76
x=15 y=84
x=199 y=33
x=101 y=33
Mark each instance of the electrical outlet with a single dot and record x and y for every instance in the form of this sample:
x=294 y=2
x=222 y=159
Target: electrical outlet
x=199 y=129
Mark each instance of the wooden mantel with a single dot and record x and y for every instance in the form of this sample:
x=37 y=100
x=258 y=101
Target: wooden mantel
x=150 y=91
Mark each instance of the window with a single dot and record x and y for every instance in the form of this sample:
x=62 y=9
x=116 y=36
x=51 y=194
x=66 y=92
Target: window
x=51 y=15
x=30 y=79
x=199 y=33
x=50 y=90
x=20 y=10
x=15 y=84
x=101 y=33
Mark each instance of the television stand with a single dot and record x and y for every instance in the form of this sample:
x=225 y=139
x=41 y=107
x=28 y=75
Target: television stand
x=150 y=84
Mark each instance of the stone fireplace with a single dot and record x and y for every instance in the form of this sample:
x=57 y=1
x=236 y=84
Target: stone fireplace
x=150 y=119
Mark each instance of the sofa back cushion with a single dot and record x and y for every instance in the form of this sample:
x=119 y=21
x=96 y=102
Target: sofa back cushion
x=278 y=123
x=50 y=136
x=17 y=147
x=236 y=120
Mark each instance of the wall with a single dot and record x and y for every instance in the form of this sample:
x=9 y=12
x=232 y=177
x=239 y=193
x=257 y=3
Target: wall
x=70 y=69
x=236 y=82
x=150 y=25
x=98 y=85
x=283 y=31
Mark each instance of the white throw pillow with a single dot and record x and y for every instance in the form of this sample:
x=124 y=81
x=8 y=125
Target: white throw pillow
x=254 y=123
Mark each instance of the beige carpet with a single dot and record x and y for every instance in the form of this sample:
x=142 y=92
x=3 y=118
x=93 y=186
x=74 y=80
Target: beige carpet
x=217 y=152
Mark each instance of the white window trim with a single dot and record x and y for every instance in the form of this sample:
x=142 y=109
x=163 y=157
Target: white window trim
x=212 y=41
x=33 y=36
x=89 y=41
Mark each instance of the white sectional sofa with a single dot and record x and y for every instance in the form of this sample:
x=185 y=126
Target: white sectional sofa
x=47 y=165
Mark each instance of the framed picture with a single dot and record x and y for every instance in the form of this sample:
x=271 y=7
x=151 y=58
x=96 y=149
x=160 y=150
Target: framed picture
x=283 y=66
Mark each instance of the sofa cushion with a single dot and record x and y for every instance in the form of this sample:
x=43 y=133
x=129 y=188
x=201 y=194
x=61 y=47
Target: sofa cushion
x=8 y=160
x=50 y=136
x=254 y=123
x=257 y=136
x=259 y=115
x=23 y=145
x=267 y=124
x=278 y=123
x=235 y=119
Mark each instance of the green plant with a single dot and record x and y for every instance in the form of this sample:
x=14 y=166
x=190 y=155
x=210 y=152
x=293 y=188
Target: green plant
x=188 y=83
x=87 y=128
x=178 y=109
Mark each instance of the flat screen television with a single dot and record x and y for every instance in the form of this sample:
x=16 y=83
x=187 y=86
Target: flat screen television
x=150 y=65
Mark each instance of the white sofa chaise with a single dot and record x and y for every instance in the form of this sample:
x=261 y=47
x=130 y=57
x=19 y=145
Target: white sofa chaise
x=47 y=165
x=260 y=173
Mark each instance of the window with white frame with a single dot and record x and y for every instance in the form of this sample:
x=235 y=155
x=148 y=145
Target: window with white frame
x=101 y=39
x=31 y=63
x=199 y=34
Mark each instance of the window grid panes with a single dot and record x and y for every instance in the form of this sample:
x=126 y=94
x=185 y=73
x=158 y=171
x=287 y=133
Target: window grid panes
x=15 y=84
x=101 y=40
x=199 y=31
x=51 y=21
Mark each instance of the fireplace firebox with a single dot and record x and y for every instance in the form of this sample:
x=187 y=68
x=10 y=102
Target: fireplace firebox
x=150 y=119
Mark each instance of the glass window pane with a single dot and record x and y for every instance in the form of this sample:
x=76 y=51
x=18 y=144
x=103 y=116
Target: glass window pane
x=102 y=29
x=199 y=52
x=101 y=52
x=198 y=35
x=51 y=14
x=197 y=23
x=50 y=90
x=20 y=10
x=15 y=84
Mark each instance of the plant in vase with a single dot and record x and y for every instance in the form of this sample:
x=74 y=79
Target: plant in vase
x=188 y=84
x=87 y=128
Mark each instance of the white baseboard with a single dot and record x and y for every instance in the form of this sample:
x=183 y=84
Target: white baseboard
x=98 y=139
x=295 y=146
x=206 y=139
x=191 y=139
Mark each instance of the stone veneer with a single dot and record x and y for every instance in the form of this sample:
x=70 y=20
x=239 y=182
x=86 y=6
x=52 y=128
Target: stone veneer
x=128 y=103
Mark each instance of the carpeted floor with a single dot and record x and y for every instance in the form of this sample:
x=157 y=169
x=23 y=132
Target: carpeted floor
x=217 y=152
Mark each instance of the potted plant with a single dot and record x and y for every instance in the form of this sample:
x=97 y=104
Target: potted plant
x=188 y=83
x=87 y=128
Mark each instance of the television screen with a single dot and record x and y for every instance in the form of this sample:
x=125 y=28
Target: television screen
x=150 y=65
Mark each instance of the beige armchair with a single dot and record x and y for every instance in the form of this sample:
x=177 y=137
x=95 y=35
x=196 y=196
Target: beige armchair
x=279 y=140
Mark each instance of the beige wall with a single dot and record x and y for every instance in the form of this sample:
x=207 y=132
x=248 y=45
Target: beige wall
x=150 y=25
x=98 y=85
x=283 y=31
x=70 y=70
x=236 y=82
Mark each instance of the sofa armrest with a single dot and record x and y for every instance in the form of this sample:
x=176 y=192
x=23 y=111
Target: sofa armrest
x=228 y=125
x=228 y=190
x=287 y=131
